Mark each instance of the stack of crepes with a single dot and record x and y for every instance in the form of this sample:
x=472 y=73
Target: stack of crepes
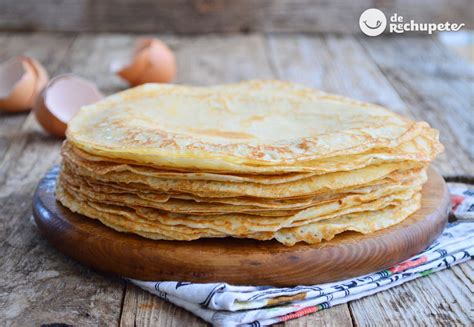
x=258 y=159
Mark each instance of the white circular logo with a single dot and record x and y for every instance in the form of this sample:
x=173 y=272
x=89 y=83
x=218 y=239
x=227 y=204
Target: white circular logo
x=372 y=22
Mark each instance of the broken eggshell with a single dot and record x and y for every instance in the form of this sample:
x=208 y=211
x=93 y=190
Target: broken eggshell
x=61 y=99
x=21 y=81
x=152 y=62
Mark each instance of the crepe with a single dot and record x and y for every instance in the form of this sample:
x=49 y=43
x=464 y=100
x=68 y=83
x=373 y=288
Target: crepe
x=243 y=223
x=127 y=220
x=234 y=202
x=305 y=187
x=419 y=149
x=258 y=159
x=177 y=205
x=151 y=124
x=188 y=204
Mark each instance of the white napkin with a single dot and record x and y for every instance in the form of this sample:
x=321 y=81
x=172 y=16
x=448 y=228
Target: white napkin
x=226 y=305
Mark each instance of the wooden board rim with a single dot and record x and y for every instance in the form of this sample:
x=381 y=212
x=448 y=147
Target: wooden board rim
x=238 y=261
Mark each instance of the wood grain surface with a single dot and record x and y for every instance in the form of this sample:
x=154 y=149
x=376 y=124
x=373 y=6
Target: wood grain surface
x=238 y=261
x=39 y=286
x=221 y=16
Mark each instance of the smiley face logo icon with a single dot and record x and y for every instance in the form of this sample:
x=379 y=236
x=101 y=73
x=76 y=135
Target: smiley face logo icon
x=372 y=22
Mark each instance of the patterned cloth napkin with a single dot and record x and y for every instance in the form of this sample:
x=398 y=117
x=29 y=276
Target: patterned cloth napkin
x=226 y=305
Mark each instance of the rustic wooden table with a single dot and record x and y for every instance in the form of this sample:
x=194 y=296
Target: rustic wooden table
x=412 y=75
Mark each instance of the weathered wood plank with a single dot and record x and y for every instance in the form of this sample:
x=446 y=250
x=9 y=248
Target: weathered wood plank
x=94 y=63
x=427 y=301
x=442 y=95
x=437 y=86
x=49 y=49
x=141 y=308
x=37 y=284
x=204 y=16
x=207 y=60
x=334 y=64
x=340 y=64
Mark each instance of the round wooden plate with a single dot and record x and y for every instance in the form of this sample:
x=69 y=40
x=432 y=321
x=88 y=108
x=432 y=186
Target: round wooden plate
x=238 y=261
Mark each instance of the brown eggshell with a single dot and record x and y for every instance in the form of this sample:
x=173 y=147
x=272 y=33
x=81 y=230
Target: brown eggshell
x=162 y=64
x=18 y=83
x=47 y=120
x=153 y=62
x=61 y=99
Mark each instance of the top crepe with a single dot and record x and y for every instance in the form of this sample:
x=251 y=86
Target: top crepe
x=251 y=127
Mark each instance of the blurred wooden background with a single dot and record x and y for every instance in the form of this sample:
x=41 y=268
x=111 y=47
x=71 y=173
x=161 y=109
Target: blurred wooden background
x=219 y=16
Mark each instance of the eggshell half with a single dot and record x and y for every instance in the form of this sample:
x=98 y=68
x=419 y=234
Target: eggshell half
x=18 y=86
x=61 y=99
x=162 y=67
x=152 y=62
